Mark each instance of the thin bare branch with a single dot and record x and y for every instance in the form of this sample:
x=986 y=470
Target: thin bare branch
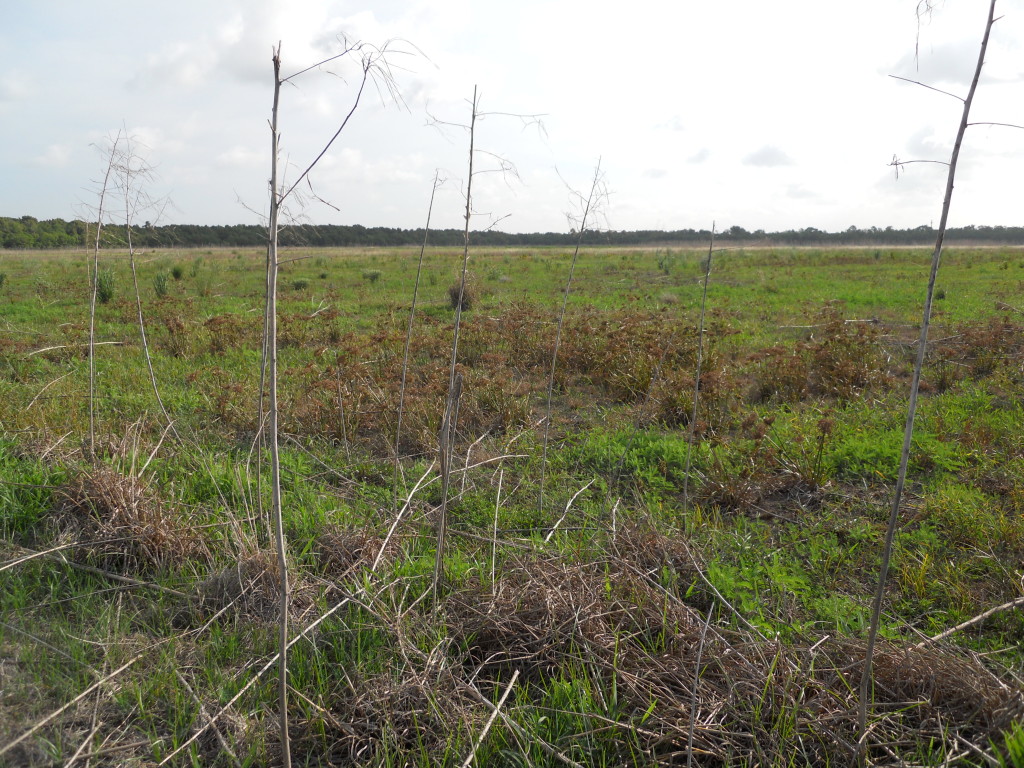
x=929 y=87
x=908 y=433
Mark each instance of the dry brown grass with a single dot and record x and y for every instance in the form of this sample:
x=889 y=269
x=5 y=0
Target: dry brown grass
x=120 y=524
x=757 y=699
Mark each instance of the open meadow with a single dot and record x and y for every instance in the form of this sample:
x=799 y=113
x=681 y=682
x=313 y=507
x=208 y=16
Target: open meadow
x=614 y=594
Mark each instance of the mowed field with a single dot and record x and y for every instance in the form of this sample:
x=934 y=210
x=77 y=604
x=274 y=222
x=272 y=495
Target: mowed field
x=625 y=584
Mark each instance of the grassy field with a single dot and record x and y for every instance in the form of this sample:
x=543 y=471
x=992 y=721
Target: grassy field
x=633 y=613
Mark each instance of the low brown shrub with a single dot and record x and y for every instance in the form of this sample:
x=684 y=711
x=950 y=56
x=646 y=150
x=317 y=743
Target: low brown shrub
x=120 y=524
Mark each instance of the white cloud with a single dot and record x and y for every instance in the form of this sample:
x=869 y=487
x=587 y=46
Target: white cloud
x=241 y=156
x=55 y=156
x=14 y=86
x=767 y=157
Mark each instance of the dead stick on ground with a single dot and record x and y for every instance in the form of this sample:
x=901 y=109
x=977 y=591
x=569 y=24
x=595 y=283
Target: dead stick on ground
x=202 y=711
x=83 y=745
x=1015 y=603
x=520 y=731
x=490 y=720
x=57 y=712
x=568 y=506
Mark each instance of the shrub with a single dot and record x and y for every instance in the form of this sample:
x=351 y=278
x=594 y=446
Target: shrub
x=454 y=290
x=160 y=284
x=177 y=272
x=3 y=279
x=300 y=285
x=105 y=286
x=371 y=276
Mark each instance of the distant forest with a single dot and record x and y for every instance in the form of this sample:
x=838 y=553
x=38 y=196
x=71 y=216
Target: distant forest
x=29 y=232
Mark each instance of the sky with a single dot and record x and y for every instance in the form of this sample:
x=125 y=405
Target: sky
x=765 y=115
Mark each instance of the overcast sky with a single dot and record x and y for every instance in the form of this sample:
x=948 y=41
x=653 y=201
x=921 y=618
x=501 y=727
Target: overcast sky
x=767 y=115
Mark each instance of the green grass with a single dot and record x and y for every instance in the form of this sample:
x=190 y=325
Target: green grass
x=777 y=545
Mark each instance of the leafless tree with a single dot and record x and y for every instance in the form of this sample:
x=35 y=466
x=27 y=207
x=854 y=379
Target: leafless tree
x=908 y=433
x=375 y=69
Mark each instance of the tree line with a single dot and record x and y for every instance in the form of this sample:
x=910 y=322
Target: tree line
x=29 y=232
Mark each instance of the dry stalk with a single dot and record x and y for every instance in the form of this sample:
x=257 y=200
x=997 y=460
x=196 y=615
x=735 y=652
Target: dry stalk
x=449 y=423
x=131 y=168
x=202 y=711
x=60 y=710
x=696 y=378
x=408 y=341
x=446 y=438
x=696 y=688
x=568 y=506
x=95 y=269
x=276 y=198
x=490 y=721
x=908 y=433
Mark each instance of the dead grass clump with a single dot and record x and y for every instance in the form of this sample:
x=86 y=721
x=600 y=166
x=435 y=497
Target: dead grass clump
x=652 y=553
x=924 y=693
x=179 y=340
x=249 y=588
x=386 y=717
x=119 y=524
x=467 y=293
x=341 y=553
x=756 y=698
x=228 y=332
x=981 y=348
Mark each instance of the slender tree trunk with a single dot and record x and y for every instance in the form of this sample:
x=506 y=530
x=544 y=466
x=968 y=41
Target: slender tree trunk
x=908 y=433
x=95 y=269
x=408 y=342
x=272 y=420
x=450 y=421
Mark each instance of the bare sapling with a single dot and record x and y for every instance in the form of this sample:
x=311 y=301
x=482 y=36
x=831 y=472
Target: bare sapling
x=449 y=424
x=596 y=192
x=132 y=172
x=270 y=344
x=908 y=433
x=375 y=68
x=696 y=376
x=112 y=152
x=408 y=343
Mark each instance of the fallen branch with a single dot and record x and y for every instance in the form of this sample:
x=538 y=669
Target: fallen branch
x=65 y=346
x=202 y=711
x=1016 y=602
x=490 y=720
x=568 y=506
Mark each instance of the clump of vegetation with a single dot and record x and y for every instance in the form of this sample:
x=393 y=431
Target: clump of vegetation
x=160 y=286
x=118 y=523
x=177 y=272
x=105 y=286
x=371 y=276
x=300 y=284
x=457 y=291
